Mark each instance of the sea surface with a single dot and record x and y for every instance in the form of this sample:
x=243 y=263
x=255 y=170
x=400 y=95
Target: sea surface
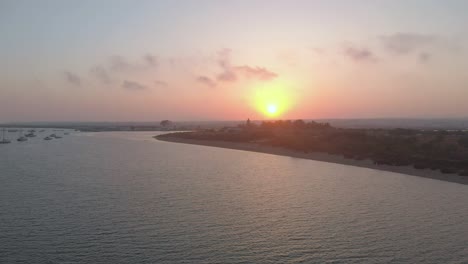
x=124 y=197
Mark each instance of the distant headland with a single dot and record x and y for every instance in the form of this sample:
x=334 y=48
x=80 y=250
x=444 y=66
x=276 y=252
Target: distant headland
x=438 y=154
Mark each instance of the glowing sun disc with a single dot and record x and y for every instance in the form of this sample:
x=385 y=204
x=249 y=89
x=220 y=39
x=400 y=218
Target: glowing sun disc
x=272 y=109
x=272 y=99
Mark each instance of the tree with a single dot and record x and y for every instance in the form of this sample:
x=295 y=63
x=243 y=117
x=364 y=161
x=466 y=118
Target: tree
x=165 y=123
x=299 y=124
x=463 y=141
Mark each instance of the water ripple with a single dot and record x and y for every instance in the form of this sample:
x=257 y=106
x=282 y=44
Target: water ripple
x=119 y=198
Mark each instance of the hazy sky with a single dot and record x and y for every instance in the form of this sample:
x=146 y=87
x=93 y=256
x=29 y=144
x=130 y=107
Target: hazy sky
x=217 y=60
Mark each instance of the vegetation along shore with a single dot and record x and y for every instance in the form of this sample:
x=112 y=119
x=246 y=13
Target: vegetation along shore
x=437 y=154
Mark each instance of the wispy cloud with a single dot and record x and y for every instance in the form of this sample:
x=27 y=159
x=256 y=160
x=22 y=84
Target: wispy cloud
x=134 y=86
x=159 y=83
x=72 y=78
x=205 y=80
x=231 y=73
x=359 y=54
x=424 y=57
x=151 y=60
x=117 y=67
x=259 y=73
x=406 y=43
x=227 y=76
x=224 y=58
x=119 y=63
x=318 y=50
x=101 y=74
x=228 y=73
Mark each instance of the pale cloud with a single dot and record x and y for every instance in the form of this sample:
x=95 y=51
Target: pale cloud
x=224 y=58
x=227 y=76
x=120 y=69
x=159 y=83
x=205 y=80
x=288 y=57
x=406 y=43
x=132 y=85
x=318 y=50
x=259 y=73
x=151 y=60
x=359 y=54
x=424 y=57
x=101 y=74
x=421 y=47
x=72 y=78
x=230 y=72
x=119 y=63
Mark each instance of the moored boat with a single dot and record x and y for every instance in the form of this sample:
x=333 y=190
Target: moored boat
x=30 y=134
x=55 y=136
x=4 y=140
x=21 y=137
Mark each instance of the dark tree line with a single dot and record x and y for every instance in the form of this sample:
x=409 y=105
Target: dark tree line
x=438 y=150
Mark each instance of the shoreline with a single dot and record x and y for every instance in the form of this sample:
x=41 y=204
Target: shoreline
x=317 y=156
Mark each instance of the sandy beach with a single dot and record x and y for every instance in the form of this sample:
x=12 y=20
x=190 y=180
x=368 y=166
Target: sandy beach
x=256 y=147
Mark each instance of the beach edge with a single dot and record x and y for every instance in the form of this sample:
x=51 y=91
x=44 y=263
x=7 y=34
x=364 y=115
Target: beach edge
x=317 y=156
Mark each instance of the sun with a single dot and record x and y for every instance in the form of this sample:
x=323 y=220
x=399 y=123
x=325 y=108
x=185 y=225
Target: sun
x=272 y=99
x=272 y=109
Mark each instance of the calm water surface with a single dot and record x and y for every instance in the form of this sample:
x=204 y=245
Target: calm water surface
x=126 y=198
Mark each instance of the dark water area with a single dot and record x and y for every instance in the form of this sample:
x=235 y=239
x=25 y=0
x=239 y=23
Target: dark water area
x=123 y=197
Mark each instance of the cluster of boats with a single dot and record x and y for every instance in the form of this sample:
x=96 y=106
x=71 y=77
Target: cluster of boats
x=30 y=134
x=52 y=137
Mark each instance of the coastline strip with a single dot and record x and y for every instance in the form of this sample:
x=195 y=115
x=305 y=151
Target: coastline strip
x=317 y=156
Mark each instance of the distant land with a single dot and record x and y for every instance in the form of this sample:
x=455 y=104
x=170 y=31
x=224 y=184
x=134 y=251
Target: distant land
x=387 y=123
x=429 y=152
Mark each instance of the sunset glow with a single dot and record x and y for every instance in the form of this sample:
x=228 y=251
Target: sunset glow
x=273 y=99
x=198 y=61
x=247 y=131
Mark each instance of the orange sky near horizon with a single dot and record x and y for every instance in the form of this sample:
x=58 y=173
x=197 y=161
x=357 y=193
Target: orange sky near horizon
x=156 y=60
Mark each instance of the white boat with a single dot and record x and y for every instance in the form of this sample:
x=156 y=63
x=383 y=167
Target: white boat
x=30 y=134
x=55 y=136
x=22 y=138
x=4 y=140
